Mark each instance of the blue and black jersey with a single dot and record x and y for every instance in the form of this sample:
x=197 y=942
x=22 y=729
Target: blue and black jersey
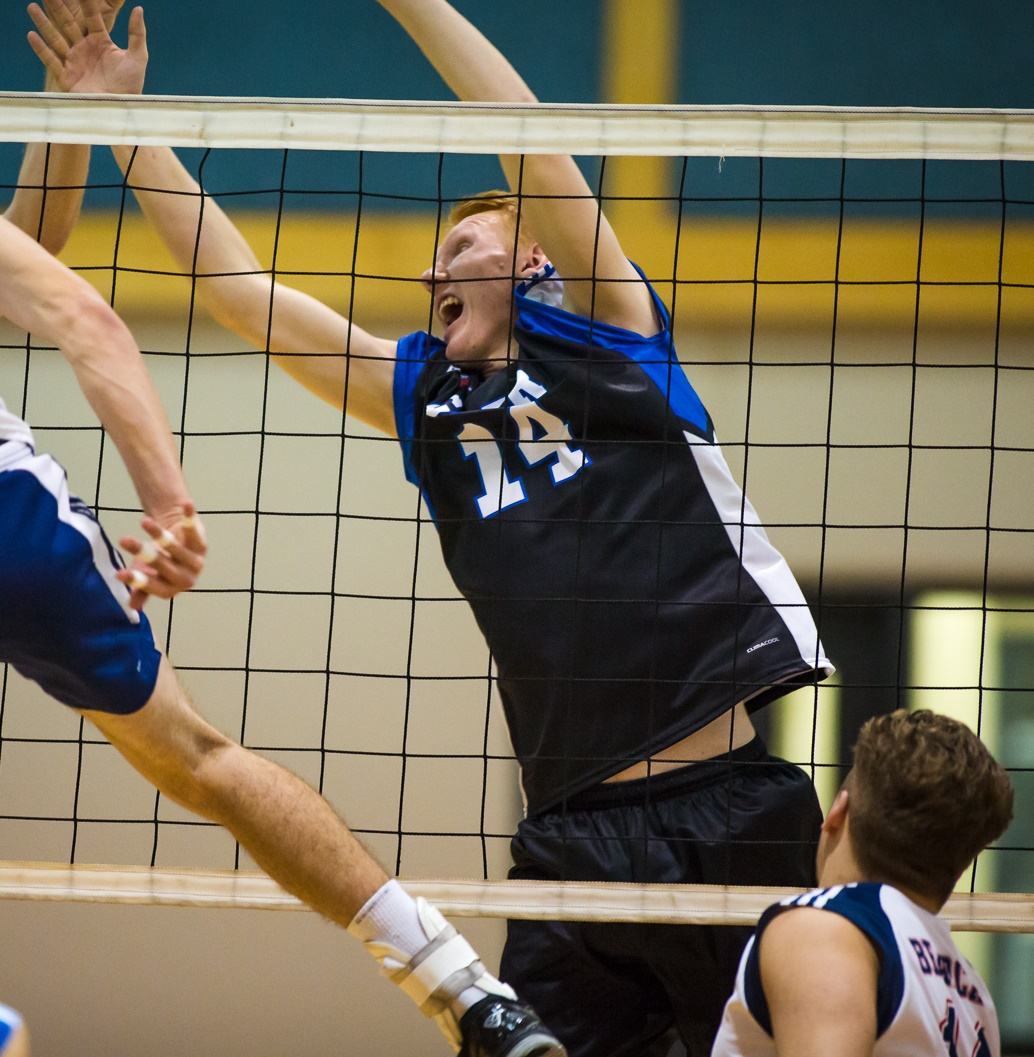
x=622 y=581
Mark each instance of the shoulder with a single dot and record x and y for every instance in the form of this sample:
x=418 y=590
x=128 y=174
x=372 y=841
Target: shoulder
x=804 y=930
x=838 y=943
x=853 y=909
x=412 y=354
x=544 y=302
x=833 y=913
x=862 y=902
x=417 y=347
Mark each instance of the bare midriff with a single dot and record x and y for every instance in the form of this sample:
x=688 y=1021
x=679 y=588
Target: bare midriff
x=731 y=730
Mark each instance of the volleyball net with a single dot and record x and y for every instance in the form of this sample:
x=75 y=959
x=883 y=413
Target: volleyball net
x=852 y=294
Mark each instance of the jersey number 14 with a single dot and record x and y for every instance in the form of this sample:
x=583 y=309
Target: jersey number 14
x=542 y=437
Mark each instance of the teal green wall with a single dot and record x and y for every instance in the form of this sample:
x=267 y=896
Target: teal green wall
x=946 y=53
x=881 y=53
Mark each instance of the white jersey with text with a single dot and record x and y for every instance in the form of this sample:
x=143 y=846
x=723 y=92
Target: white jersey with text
x=929 y=1000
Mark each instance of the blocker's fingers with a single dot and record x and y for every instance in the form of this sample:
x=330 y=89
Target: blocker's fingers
x=148 y=552
x=139 y=584
x=53 y=64
x=175 y=561
x=193 y=530
x=162 y=540
x=65 y=20
x=48 y=32
x=138 y=580
x=94 y=18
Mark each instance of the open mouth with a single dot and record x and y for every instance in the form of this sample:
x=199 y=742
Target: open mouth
x=450 y=309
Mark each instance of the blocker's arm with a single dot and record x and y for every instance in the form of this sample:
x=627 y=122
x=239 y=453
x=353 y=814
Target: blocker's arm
x=557 y=203
x=41 y=295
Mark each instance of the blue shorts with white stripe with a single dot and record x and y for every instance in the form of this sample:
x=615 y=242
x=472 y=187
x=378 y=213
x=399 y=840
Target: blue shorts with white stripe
x=65 y=620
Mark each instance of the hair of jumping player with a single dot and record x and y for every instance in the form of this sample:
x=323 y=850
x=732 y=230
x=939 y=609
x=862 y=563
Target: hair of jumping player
x=505 y=203
x=925 y=796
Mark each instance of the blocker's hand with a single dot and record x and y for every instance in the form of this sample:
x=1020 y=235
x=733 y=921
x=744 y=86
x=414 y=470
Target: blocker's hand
x=75 y=46
x=109 y=10
x=169 y=562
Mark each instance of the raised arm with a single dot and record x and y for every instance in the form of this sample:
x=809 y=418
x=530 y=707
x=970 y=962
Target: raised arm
x=322 y=350
x=557 y=203
x=41 y=295
x=49 y=192
x=317 y=346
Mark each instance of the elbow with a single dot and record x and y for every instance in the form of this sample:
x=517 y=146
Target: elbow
x=226 y=311
x=87 y=322
x=54 y=237
x=51 y=230
x=243 y=307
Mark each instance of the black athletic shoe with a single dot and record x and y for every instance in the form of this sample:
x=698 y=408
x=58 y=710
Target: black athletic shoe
x=506 y=1027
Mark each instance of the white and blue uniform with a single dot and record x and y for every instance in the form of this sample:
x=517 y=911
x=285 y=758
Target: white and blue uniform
x=10 y=1022
x=65 y=620
x=929 y=1000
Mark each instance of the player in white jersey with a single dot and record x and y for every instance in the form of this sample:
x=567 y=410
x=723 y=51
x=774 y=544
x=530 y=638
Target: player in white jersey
x=71 y=620
x=864 y=967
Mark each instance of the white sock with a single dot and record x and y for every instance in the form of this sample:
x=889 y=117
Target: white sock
x=395 y=927
x=390 y=916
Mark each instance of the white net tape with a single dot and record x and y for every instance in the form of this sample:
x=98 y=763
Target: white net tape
x=566 y=901
x=479 y=128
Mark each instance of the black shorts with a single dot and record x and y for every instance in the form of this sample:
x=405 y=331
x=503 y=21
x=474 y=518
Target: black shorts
x=629 y=990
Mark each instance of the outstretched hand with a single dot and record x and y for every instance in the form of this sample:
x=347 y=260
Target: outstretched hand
x=169 y=562
x=109 y=10
x=75 y=46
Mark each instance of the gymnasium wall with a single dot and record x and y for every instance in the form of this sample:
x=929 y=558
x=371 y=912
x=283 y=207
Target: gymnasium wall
x=882 y=53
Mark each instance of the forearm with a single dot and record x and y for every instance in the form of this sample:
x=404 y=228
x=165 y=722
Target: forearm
x=477 y=71
x=41 y=295
x=49 y=191
x=202 y=239
x=113 y=378
x=242 y=296
x=467 y=61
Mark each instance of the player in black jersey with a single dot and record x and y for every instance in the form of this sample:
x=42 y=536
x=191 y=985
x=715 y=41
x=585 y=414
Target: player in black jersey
x=632 y=602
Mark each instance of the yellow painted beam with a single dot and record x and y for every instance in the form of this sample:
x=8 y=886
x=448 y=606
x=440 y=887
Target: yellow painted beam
x=640 y=50
x=640 y=64
x=796 y=267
